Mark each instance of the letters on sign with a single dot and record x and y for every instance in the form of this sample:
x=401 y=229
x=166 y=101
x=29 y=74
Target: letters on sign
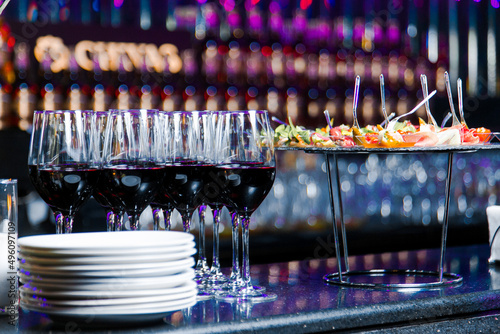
x=109 y=56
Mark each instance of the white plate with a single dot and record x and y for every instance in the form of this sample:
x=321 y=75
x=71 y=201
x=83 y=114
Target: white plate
x=37 y=301
x=169 y=258
x=111 y=294
x=120 y=283
x=105 y=263
x=106 y=240
x=162 y=271
x=111 y=316
x=100 y=255
x=176 y=267
x=117 y=309
x=70 y=253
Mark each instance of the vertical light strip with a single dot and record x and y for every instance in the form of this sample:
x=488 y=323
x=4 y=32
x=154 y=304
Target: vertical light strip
x=86 y=11
x=116 y=13
x=171 y=22
x=432 y=34
x=368 y=37
x=412 y=30
x=347 y=24
x=454 y=48
x=472 y=49
x=201 y=26
x=22 y=10
x=491 y=52
x=54 y=12
x=145 y=20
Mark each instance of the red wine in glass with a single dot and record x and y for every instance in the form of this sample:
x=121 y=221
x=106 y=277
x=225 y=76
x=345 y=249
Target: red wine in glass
x=184 y=182
x=64 y=188
x=247 y=185
x=133 y=187
x=111 y=203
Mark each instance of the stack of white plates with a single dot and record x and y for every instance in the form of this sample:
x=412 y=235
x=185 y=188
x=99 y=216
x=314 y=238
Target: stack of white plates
x=108 y=276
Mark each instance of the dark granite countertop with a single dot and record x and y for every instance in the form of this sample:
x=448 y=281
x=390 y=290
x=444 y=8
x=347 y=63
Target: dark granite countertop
x=306 y=304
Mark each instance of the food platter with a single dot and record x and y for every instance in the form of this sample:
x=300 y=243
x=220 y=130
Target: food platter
x=389 y=137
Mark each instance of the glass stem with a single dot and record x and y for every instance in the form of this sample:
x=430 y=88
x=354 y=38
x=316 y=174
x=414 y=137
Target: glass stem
x=235 y=271
x=118 y=221
x=245 y=222
x=167 y=215
x=156 y=217
x=215 y=258
x=134 y=221
x=68 y=224
x=186 y=222
x=110 y=221
x=59 y=222
x=201 y=244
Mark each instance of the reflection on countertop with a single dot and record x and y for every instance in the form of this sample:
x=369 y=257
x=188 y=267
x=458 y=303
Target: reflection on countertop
x=305 y=302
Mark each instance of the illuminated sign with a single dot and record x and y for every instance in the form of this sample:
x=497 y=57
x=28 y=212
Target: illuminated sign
x=109 y=56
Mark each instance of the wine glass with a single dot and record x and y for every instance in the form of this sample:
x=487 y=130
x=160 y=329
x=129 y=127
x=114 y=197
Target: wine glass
x=162 y=204
x=187 y=168
x=131 y=164
x=249 y=169
x=216 y=200
x=59 y=164
x=184 y=164
x=95 y=129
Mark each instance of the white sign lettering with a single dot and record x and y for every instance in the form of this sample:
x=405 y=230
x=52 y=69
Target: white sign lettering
x=109 y=56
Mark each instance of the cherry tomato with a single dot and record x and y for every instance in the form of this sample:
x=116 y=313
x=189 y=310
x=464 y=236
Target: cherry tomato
x=482 y=133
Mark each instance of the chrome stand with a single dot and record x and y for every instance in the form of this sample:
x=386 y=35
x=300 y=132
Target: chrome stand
x=342 y=276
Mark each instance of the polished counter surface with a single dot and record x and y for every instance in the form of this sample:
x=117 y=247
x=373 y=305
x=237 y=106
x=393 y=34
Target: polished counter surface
x=306 y=304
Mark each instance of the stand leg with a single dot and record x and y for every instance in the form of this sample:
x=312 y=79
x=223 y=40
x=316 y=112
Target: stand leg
x=341 y=213
x=445 y=218
x=332 y=207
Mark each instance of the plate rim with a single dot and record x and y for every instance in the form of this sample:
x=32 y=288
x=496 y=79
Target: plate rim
x=99 y=252
x=69 y=241
x=91 y=302
x=101 y=310
x=73 y=265
x=185 y=275
x=119 y=294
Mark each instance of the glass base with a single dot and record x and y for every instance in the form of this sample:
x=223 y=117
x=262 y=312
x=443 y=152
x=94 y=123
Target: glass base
x=203 y=295
x=217 y=279
x=201 y=273
x=233 y=285
x=408 y=279
x=254 y=294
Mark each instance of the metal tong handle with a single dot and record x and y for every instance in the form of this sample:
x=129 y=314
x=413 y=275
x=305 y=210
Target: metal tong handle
x=328 y=119
x=450 y=98
x=382 y=99
x=355 y=102
x=425 y=92
x=460 y=100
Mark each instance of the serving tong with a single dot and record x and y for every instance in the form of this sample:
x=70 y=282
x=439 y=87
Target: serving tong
x=460 y=101
x=450 y=99
x=355 y=102
x=382 y=99
x=425 y=92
